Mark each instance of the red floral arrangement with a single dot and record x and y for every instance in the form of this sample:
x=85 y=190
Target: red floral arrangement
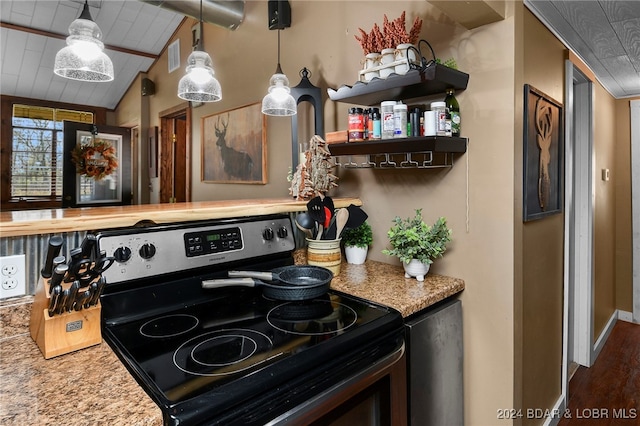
x=97 y=159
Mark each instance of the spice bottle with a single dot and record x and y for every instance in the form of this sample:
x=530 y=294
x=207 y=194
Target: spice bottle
x=400 y=120
x=454 y=109
x=376 y=124
x=441 y=117
x=356 y=124
x=387 y=119
x=414 y=119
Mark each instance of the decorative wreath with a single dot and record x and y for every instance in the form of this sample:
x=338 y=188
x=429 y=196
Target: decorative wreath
x=97 y=159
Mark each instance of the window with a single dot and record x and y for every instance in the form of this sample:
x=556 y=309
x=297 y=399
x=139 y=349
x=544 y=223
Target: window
x=37 y=147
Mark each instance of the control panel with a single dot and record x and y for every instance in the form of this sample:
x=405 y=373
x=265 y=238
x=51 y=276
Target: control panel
x=161 y=249
x=212 y=241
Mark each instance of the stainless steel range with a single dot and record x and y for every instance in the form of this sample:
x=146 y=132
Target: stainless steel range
x=231 y=355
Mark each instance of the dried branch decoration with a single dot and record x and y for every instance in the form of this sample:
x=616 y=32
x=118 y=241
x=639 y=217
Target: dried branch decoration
x=313 y=177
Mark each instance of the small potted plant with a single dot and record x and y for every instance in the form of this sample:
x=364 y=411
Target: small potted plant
x=356 y=243
x=417 y=244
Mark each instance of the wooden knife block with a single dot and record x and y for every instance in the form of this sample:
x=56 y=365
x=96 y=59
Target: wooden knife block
x=63 y=333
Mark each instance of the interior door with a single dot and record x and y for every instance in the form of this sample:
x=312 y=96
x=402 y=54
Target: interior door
x=175 y=158
x=96 y=165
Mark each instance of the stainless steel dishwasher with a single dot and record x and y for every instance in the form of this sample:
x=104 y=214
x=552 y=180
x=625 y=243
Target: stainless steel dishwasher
x=434 y=366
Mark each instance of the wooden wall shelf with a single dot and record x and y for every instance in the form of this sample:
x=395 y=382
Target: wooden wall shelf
x=434 y=79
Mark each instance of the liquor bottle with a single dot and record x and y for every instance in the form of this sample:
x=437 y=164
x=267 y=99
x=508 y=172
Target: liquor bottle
x=454 y=109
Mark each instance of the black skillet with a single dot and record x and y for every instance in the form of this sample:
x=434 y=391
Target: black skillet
x=296 y=275
x=306 y=288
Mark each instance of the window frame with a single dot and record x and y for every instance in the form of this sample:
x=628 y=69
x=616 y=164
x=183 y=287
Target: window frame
x=6 y=148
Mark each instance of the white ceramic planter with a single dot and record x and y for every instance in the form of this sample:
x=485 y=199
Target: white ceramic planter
x=371 y=60
x=387 y=57
x=403 y=52
x=355 y=255
x=415 y=268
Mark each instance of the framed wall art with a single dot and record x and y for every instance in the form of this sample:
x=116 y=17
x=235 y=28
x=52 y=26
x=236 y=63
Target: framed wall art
x=234 y=146
x=543 y=155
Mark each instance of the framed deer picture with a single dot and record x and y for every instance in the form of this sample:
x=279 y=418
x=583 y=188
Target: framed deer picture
x=542 y=151
x=234 y=146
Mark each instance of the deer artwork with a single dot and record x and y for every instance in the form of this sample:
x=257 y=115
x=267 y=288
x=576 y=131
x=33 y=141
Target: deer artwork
x=544 y=126
x=237 y=164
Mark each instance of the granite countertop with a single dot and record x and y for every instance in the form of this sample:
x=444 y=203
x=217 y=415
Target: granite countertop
x=91 y=386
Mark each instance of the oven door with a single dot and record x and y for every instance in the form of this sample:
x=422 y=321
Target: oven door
x=376 y=395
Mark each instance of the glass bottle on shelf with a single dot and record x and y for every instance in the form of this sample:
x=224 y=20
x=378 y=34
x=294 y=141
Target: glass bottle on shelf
x=454 y=109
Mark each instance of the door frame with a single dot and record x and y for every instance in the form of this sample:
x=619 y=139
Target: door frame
x=634 y=108
x=577 y=326
x=165 y=163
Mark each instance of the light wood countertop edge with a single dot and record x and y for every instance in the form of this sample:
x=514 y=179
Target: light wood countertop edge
x=50 y=221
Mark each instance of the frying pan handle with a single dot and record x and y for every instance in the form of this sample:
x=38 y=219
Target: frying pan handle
x=266 y=276
x=229 y=282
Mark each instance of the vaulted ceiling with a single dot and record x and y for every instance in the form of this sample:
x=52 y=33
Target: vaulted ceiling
x=604 y=33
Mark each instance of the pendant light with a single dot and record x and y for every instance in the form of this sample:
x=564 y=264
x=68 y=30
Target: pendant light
x=279 y=101
x=83 y=58
x=199 y=84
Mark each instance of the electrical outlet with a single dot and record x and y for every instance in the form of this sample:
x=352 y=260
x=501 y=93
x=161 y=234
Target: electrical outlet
x=12 y=276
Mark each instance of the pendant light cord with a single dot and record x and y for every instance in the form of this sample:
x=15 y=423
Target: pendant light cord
x=279 y=68
x=200 y=43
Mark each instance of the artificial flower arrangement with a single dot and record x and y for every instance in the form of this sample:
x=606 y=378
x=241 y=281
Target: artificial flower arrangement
x=96 y=159
x=392 y=34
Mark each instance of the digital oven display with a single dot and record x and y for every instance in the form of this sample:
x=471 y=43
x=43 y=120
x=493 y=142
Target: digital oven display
x=210 y=242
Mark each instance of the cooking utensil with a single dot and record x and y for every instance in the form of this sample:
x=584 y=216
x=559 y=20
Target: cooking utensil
x=342 y=217
x=56 y=292
x=273 y=291
x=71 y=299
x=305 y=223
x=357 y=216
x=58 y=275
x=53 y=250
x=296 y=275
x=316 y=211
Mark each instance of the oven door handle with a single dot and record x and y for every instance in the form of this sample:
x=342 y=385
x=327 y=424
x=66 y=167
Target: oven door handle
x=314 y=404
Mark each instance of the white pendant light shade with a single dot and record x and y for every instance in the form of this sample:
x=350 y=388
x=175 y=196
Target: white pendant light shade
x=83 y=58
x=279 y=100
x=199 y=84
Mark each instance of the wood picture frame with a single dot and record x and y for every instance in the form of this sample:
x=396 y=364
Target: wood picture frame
x=234 y=146
x=543 y=155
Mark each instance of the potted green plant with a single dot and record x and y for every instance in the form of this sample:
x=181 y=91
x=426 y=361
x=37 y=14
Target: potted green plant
x=417 y=244
x=356 y=243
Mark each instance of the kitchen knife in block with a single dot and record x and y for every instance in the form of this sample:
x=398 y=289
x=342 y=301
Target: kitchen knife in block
x=67 y=332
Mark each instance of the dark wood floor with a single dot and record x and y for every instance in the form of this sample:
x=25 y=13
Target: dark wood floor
x=608 y=393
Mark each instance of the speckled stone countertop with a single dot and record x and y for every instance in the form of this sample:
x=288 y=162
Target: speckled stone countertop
x=91 y=386
x=87 y=387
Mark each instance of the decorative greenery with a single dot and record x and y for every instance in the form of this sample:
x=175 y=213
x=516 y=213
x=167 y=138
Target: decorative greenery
x=97 y=159
x=362 y=236
x=411 y=238
x=451 y=63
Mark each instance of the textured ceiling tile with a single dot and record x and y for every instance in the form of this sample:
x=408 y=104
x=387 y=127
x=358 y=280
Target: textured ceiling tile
x=628 y=32
x=590 y=22
x=620 y=10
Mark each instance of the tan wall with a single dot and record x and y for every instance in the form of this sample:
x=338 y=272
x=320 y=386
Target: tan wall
x=605 y=210
x=623 y=234
x=541 y=274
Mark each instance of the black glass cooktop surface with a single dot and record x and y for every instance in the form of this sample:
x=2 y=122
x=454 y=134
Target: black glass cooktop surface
x=229 y=348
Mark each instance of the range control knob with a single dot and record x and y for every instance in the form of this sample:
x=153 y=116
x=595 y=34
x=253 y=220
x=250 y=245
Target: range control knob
x=147 y=251
x=267 y=234
x=122 y=254
x=282 y=232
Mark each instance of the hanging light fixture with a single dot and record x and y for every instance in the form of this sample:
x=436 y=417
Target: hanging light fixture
x=199 y=84
x=83 y=57
x=279 y=101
